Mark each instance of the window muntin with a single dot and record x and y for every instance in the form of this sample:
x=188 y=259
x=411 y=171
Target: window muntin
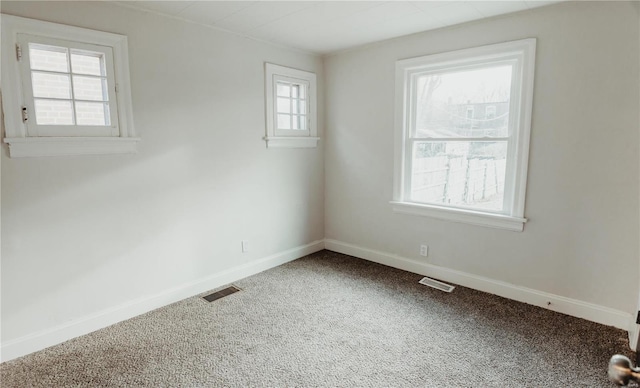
x=69 y=87
x=462 y=134
x=65 y=82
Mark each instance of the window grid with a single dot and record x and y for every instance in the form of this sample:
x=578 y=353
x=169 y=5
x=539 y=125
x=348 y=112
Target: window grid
x=293 y=115
x=82 y=110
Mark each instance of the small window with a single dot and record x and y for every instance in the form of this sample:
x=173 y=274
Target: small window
x=464 y=123
x=291 y=107
x=69 y=86
x=70 y=93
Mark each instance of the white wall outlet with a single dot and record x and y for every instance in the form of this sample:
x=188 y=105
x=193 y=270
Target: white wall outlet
x=424 y=250
x=245 y=246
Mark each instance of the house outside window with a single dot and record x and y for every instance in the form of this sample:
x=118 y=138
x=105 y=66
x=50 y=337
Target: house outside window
x=462 y=130
x=490 y=112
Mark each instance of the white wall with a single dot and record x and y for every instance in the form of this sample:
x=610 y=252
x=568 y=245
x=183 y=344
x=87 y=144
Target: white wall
x=581 y=241
x=82 y=235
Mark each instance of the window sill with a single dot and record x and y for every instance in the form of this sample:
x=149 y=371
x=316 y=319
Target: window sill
x=291 y=142
x=68 y=146
x=491 y=220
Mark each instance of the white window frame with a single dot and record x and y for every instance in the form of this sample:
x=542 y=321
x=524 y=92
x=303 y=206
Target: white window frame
x=23 y=138
x=522 y=54
x=279 y=138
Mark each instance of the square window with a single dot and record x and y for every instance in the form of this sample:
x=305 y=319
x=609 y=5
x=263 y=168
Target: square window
x=68 y=88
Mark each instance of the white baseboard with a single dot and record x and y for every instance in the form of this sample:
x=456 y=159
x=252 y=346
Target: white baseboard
x=43 y=339
x=561 y=304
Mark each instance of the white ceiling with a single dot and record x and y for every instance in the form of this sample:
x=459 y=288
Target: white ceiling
x=324 y=27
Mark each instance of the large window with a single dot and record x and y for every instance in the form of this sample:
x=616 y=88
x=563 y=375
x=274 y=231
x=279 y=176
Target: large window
x=291 y=107
x=66 y=90
x=463 y=123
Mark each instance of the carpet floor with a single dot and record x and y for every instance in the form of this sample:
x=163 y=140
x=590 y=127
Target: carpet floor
x=333 y=320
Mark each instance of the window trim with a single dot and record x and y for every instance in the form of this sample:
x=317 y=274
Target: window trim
x=523 y=52
x=17 y=135
x=290 y=138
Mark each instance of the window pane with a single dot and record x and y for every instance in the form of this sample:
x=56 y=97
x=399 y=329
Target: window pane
x=54 y=112
x=299 y=107
x=303 y=91
x=283 y=89
x=302 y=122
x=90 y=88
x=52 y=58
x=284 y=122
x=50 y=85
x=92 y=113
x=284 y=105
x=87 y=63
x=455 y=104
x=295 y=91
x=295 y=123
x=459 y=173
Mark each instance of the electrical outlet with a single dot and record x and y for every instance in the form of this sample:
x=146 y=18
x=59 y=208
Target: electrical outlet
x=245 y=246
x=424 y=250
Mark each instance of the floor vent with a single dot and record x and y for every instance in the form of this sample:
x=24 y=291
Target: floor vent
x=221 y=294
x=436 y=284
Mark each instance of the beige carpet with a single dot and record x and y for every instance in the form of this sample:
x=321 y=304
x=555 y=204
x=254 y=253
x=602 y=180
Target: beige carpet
x=333 y=320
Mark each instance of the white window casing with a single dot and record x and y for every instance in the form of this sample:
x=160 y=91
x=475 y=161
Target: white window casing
x=89 y=87
x=291 y=107
x=508 y=211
